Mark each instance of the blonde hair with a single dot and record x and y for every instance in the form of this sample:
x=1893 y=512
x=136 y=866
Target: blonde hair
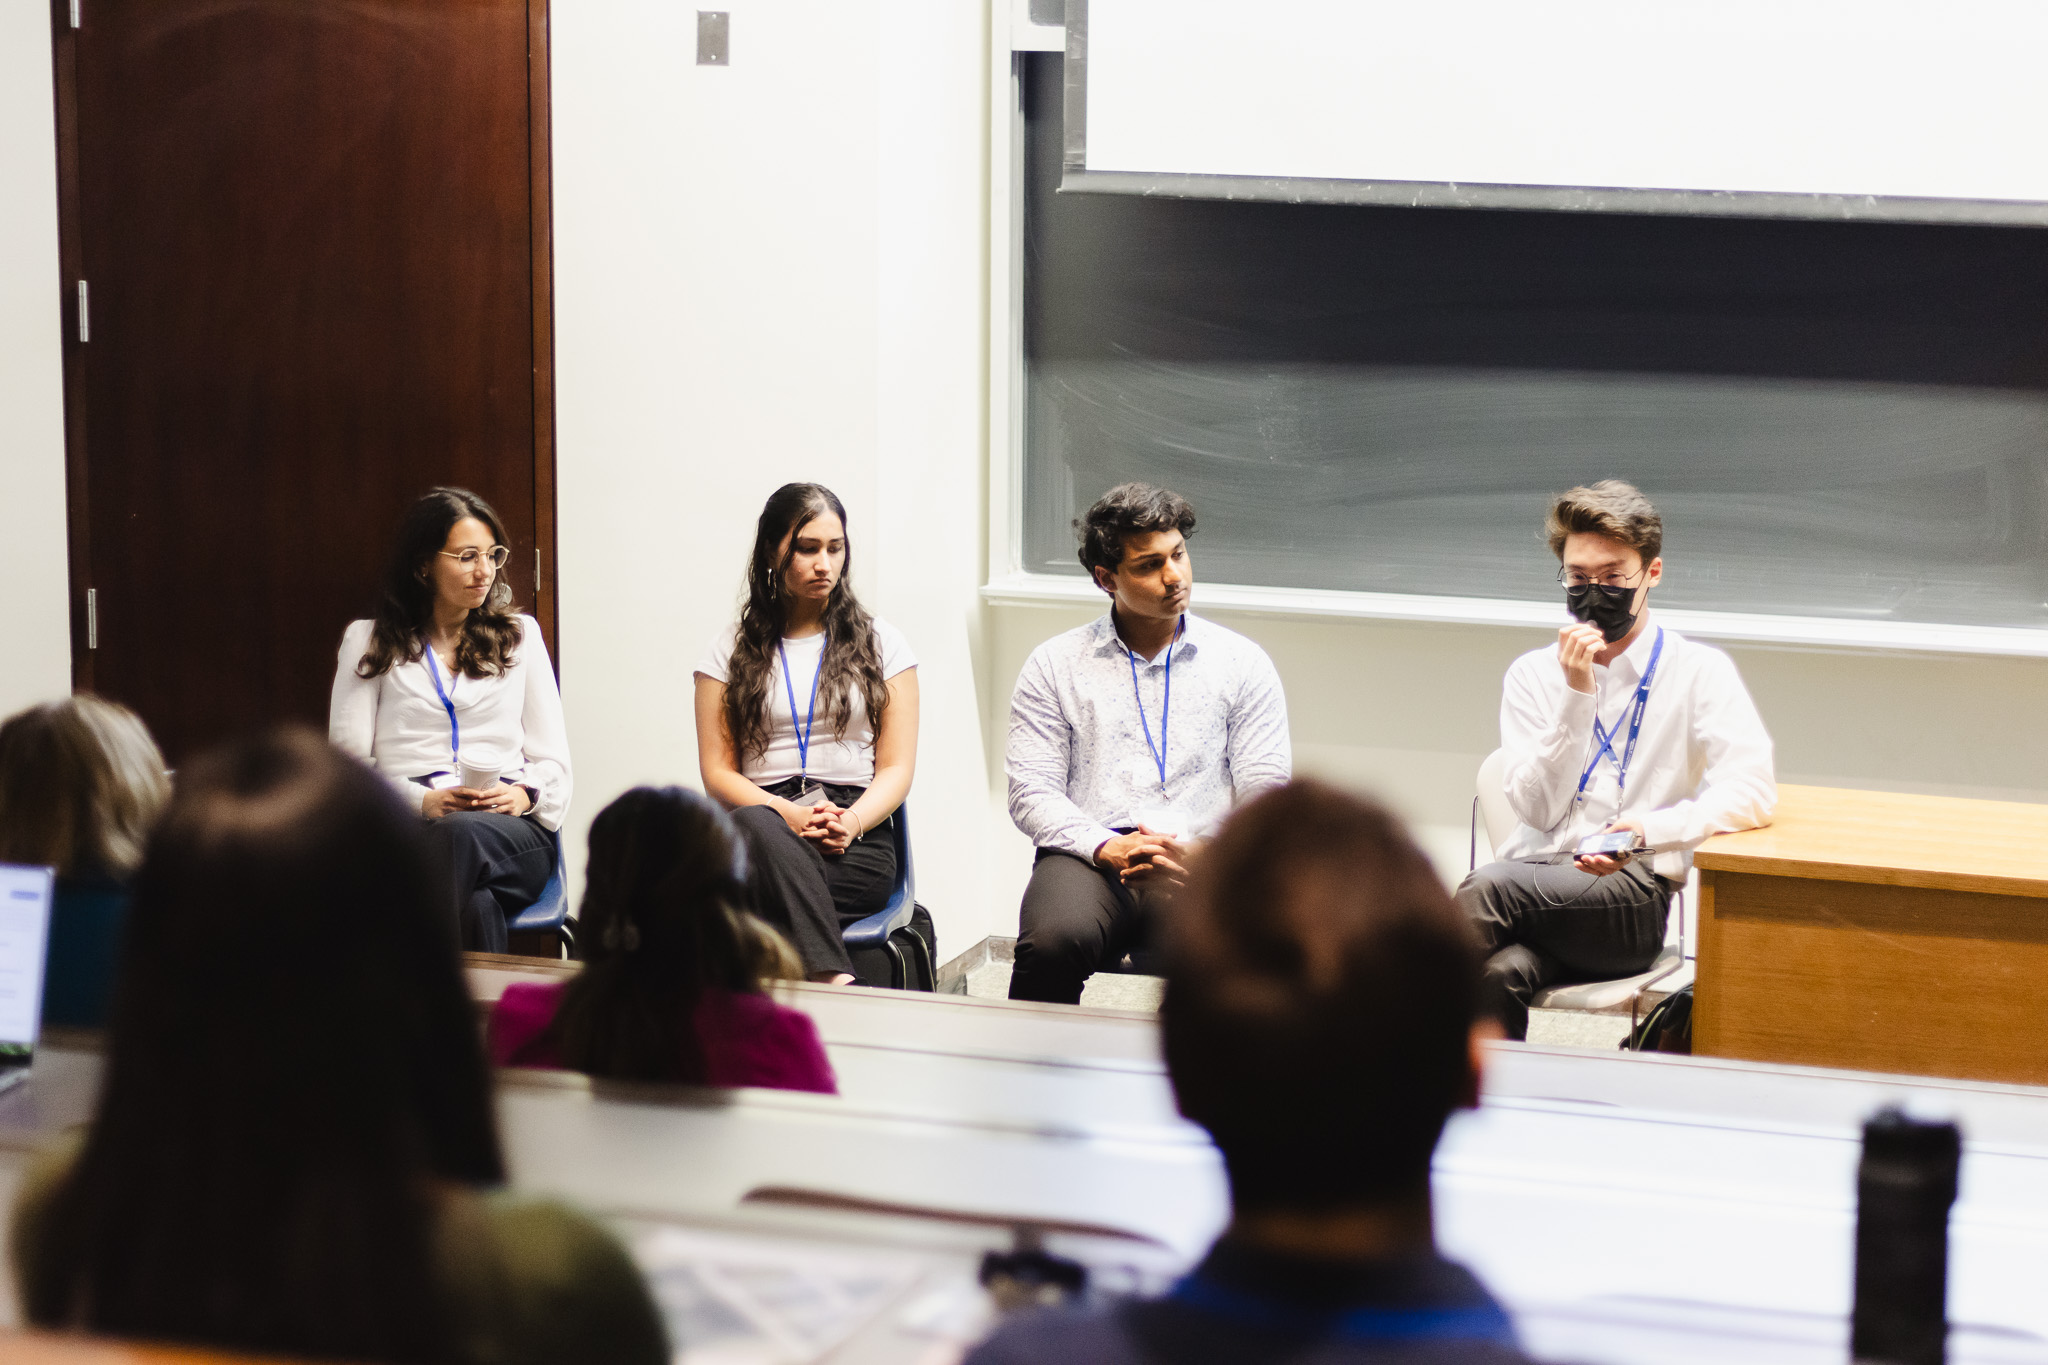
x=81 y=785
x=769 y=953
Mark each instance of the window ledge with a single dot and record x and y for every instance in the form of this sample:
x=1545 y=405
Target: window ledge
x=1744 y=628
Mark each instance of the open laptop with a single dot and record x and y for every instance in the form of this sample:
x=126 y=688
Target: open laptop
x=25 y=895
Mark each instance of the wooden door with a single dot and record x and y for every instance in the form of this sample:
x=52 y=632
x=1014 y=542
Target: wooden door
x=314 y=239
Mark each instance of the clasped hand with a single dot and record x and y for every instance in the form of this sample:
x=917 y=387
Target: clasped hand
x=1146 y=858
x=503 y=799
x=825 y=824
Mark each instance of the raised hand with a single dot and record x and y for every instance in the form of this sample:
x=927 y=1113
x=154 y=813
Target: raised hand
x=1577 y=643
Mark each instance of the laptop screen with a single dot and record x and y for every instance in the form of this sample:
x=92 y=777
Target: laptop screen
x=25 y=894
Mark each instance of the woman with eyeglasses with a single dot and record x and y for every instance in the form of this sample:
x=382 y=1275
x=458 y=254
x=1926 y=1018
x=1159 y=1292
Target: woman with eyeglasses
x=807 y=730
x=448 y=693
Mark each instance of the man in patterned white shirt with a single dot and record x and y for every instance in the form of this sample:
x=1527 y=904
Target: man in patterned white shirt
x=1130 y=739
x=1623 y=726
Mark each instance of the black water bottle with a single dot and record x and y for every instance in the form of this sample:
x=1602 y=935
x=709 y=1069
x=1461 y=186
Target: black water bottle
x=1904 y=1188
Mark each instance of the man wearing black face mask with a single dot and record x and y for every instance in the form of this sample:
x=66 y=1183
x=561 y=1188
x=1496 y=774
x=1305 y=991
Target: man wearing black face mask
x=1623 y=726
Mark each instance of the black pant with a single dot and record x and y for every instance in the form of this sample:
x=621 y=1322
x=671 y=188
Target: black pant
x=811 y=896
x=500 y=863
x=1546 y=924
x=1077 y=918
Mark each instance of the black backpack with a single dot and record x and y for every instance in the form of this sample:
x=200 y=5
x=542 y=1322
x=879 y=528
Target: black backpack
x=1666 y=1028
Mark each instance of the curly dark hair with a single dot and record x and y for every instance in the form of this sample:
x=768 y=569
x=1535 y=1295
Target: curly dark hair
x=406 y=608
x=852 y=660
x=1126 y=510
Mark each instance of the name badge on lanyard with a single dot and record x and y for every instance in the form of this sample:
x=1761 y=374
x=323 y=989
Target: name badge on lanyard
x=446 y=694
x=1159 y=817
x=1635 y=729
x=803 y=736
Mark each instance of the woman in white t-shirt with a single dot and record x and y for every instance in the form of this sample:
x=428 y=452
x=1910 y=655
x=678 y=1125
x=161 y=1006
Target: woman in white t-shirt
x=450 y=677
x=807 y=730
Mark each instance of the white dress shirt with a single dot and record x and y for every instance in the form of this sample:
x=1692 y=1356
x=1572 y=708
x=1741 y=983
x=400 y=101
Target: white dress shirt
x=1702 y=763
x=395 y=721
x=1079 y=763
x=842 y=759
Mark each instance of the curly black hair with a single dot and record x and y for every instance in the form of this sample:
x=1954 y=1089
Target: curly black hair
x=1126 y=510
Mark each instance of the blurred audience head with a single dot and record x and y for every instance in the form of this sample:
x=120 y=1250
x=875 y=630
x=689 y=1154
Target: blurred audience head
x=294 y=1073
x=662 y=921
x=81 y=783
x=1321 y=994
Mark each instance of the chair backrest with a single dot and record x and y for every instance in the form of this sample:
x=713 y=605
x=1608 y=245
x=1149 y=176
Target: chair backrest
x=1496 y=818
x=905 y=895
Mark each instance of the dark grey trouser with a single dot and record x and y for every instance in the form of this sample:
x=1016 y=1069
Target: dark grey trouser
x=810 y=896
x=500 y=864
x=1077 y=919
x=1547 y=924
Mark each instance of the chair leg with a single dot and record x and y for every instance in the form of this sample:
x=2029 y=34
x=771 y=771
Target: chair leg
x=566 y=931
x=896 y=968
x=924 y=958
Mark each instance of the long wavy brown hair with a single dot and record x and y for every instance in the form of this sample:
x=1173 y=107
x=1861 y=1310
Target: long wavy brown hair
x=406 y=608
x=852 y=662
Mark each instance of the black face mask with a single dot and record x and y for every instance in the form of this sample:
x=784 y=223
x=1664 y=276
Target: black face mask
x=1604 y=608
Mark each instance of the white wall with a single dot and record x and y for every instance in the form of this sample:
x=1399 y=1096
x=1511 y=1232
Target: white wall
x=35 y=627
x=777 y=270
x=765 y=272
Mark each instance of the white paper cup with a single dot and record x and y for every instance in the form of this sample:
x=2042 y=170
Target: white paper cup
x=479 y=771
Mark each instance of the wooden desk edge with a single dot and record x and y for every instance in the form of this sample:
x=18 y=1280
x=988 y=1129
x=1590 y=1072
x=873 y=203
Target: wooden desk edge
x=1764 y=865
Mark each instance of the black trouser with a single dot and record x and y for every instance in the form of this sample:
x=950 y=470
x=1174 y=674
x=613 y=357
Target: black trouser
x=500 y=863
x=1078 y=917
x=1547 y=924
x=811 y=895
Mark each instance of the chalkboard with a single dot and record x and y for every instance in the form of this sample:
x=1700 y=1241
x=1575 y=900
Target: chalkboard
x=1836 y=419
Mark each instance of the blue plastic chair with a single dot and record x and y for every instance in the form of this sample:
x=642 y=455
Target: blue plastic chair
x=550 y=913
x=878 y=930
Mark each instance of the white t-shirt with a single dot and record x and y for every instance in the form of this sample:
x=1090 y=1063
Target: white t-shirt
x=847 y=759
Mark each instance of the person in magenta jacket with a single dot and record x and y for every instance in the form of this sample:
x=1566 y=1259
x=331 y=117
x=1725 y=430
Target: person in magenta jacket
x=671 y=989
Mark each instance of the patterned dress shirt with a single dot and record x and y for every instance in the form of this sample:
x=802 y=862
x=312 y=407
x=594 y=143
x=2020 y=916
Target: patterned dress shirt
x=1080 y=765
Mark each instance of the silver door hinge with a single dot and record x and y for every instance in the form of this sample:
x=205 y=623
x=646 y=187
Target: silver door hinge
x=92 y=618
x=84 y=312
x=76 y=22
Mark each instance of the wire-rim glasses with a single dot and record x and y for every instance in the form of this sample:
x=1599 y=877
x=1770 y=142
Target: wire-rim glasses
x=468 y=559
x=1572 y=578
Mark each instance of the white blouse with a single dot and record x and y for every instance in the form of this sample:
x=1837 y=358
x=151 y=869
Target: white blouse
x=844 y=760
x=395 y=721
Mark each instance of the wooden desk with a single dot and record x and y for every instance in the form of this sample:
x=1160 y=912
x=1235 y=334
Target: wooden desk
x=1880 y=932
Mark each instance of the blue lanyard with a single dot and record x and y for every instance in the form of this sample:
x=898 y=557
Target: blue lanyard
x=803 y=741
x=1165 y=706
x=1476 y=1322
x=447 y=702
x=1635 y=728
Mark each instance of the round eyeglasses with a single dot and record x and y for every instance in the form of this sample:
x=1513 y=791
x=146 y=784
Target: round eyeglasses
x=469 y=559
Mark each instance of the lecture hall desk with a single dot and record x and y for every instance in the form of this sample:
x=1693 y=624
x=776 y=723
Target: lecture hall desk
x=1879 y=931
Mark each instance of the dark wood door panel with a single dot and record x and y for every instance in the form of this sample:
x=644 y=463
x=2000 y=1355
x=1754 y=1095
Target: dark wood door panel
x=308 y=231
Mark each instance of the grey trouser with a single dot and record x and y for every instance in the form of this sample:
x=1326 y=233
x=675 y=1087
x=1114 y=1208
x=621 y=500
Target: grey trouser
x=1547 y=924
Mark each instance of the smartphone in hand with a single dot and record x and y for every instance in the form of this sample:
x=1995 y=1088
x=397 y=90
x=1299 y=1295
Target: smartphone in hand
x=1609 y=845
